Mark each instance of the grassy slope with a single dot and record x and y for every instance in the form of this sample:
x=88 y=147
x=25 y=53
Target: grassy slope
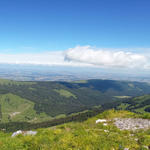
x=137 y=104
x=15 y=108
x=65 y=93
x=85 y=135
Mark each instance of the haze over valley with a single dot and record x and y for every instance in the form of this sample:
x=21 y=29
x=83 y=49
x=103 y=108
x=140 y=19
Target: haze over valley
x=62 y=73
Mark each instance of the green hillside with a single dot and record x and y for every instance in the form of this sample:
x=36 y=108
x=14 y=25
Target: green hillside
x=139 y=104
x=17 y=109
x=85 y=135
x=45 y=100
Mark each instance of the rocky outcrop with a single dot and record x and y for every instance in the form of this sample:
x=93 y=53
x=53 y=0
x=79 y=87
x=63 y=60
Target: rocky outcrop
x=132 y=123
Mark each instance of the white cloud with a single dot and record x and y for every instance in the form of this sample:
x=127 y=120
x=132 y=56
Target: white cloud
x=106 y=57
x=82 y=56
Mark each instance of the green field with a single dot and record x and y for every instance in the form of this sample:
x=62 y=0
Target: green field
x=65 y=93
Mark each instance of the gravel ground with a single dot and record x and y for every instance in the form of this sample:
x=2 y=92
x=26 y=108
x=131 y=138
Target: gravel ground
x=132 y=123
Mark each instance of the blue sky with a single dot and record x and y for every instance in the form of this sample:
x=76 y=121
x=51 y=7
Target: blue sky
x=54 y=26
x=61 y=24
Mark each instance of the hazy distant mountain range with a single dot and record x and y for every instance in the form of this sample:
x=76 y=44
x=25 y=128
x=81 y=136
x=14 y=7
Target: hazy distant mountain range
x=60 y=73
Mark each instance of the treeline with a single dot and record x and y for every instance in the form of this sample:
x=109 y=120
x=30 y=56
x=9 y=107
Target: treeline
x=47 y=100
x=88 y=94
x=82 y=116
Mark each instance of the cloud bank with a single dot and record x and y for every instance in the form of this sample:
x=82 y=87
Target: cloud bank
x=82 y=56
x=106 y=57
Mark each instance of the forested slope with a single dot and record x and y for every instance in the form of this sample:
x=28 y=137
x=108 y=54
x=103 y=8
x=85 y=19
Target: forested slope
x=140 y=104
x=51 y=99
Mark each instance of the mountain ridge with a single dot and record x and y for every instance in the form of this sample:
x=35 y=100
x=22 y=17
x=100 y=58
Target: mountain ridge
x=53 y=99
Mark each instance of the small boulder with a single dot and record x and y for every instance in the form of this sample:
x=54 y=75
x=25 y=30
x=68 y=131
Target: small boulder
x=30 y=133
x=105 y=124
x=146 y=147
x=101 y=120
x=16 y=133
x=106 y=131
x=24 y=133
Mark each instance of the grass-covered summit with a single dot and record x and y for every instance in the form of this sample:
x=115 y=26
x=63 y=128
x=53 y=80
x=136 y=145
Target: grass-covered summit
x=85 y=135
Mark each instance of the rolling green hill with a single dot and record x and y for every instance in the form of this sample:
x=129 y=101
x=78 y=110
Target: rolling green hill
x=41 y=101
x=14 y=108
x=139 y=104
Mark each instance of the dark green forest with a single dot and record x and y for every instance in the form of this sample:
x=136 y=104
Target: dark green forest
x=63 y=98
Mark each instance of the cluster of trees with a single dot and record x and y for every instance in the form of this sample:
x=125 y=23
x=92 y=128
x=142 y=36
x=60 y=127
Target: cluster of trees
x=137 y=102
x=78 y=117
x=13 y=126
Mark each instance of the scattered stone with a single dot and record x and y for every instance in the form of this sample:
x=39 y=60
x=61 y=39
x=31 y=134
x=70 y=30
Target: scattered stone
x=29 y=132
x=101 y=120
x=3 y=129
x=105 y=124
x=131 y=134
x=24 y=133
x=106 y=131
x=132 y=123
x=16 y=133
x=126 y=148
x=136 y=139
x=146 y=147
